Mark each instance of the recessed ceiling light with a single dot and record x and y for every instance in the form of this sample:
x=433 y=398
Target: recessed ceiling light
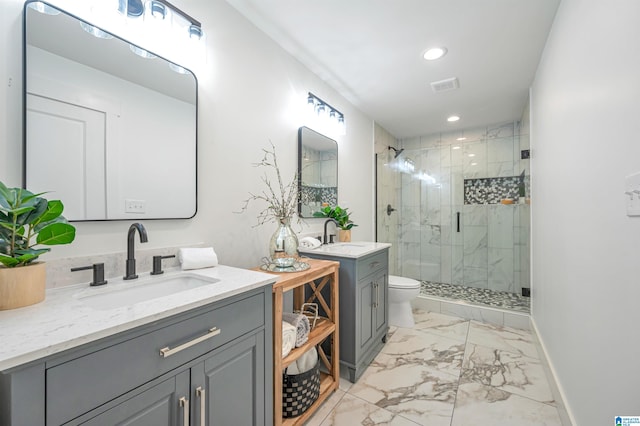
x=472 y=155
x=435 y=53
x=455 y=147
x=453 y=119
x=461 y=139
x=474 y=164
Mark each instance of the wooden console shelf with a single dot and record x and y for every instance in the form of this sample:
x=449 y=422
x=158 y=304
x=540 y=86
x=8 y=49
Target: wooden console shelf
x=319 y=275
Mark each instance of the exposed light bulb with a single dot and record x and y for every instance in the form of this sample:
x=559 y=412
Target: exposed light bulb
x=95 y=31
x=141 y=52
x=43 y=8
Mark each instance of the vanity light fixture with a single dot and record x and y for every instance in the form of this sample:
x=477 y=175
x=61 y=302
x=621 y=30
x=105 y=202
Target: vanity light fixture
x=158 y=10
x=434 y=53
x=327 y=115
x=153 y=19
x=453 y=119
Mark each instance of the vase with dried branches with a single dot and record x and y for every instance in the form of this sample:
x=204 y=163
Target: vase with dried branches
x=281 y=201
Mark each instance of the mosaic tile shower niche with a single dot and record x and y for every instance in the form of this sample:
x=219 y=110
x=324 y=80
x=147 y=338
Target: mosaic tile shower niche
x=452 y=226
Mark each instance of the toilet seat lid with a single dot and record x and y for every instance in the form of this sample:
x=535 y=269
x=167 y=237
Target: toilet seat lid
x=403 y=282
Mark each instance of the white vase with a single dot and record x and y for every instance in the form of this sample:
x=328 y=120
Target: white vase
x=283 y=247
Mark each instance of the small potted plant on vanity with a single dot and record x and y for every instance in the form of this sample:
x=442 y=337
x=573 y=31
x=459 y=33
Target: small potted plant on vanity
x=343 y=222
x=27 y=220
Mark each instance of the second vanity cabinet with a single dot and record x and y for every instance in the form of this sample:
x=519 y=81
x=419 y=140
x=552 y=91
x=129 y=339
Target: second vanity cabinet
x=364 y=287
x=207 y=366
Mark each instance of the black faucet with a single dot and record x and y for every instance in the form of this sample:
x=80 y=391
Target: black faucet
x=324 y=238
x=131 y=258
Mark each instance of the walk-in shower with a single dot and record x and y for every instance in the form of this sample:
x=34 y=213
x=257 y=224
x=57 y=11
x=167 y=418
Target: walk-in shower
x=457 y=213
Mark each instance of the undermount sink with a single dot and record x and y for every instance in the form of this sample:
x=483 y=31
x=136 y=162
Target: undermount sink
x=130 y=293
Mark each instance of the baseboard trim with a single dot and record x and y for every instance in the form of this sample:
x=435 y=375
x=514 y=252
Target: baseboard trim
x=556 y=389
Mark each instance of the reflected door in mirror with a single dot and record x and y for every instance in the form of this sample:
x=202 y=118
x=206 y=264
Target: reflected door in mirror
x=110 y=133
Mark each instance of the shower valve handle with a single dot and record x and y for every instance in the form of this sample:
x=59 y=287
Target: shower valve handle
x=390 y=209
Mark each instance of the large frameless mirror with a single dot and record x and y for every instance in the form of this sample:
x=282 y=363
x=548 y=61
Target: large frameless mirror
x=110 y=129
x=317 y=171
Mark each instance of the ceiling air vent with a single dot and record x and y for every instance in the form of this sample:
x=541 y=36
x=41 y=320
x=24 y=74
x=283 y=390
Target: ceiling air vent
x=445 y=85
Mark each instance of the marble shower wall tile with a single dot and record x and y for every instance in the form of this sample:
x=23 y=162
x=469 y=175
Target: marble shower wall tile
x=475 y=160
x=475 y=247
x=505 y=130
x=475 y=215
x=457 y=264
x=475 y=277
x=500 y=150
x=500 y=220
x=500 y=273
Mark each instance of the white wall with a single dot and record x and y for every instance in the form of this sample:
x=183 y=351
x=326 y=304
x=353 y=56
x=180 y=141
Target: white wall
x=248 y=91
x=586 y=281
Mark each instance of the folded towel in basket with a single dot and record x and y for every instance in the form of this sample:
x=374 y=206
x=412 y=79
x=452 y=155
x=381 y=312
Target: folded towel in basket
x=306 y=362
x=197 y=258
x=301 y=323
x=288 y=338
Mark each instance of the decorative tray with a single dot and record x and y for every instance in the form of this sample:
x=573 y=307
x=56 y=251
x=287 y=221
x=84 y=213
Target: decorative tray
x=297 y=267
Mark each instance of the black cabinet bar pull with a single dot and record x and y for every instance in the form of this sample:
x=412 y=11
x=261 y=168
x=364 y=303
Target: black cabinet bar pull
x=458 y=221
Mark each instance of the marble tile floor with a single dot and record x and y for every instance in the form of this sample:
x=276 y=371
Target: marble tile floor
x=477 y=296
x=447 y=371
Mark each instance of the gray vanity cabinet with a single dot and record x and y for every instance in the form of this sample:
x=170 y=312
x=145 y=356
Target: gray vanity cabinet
x=364 y=287
x=212 y=363
x=153 y=407
x=234 y=386
x=372 y=302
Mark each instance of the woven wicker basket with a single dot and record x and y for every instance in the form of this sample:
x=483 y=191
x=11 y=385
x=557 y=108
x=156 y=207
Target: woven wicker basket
x=300 y=391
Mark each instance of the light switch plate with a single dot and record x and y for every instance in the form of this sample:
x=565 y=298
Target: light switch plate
x=134 y=206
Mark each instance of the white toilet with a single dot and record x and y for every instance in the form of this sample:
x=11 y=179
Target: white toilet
x=401 y=292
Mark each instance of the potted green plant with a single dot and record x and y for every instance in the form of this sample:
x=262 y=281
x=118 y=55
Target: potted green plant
x=341 y=217
x=27 y=220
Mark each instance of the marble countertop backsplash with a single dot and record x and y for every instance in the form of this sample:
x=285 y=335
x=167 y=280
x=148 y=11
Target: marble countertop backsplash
x=59 y=270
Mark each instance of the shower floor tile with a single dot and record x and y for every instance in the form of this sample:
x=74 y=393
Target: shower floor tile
x=477 y=296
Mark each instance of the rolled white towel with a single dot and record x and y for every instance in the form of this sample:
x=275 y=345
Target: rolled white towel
x=288 y=338
x=197 y=258
x=306 y=362
x=301 y=323
x=309 y=243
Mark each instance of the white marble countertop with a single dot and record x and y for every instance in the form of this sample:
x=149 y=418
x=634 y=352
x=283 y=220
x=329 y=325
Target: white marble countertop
x=63 y=321
x=354 y=250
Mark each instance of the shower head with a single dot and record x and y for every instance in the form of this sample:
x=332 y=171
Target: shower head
x=396 y=150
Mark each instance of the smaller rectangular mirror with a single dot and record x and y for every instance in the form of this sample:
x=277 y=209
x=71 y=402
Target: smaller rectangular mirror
x=317 y=171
